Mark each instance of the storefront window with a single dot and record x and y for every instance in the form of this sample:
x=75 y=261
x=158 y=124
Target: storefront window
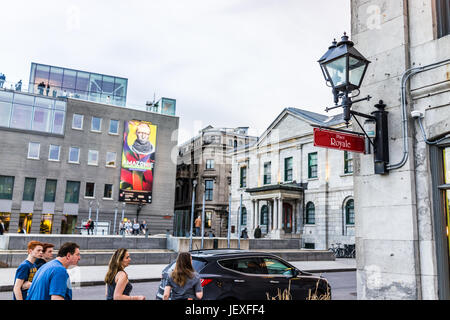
x=46 y=224
x=68 y=224
x=5 y=217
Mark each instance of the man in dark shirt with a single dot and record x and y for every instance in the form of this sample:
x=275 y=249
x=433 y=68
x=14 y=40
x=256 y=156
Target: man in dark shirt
x=47 y=255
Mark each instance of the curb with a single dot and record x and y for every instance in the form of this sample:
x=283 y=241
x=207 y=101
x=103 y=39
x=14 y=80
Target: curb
x=99 y=283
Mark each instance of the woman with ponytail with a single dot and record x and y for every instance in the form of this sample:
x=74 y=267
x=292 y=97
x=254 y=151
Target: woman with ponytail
x=183 y=283
x=117 y=285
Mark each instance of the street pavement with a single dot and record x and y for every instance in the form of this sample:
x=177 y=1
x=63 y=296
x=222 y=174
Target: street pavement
x=94 y=275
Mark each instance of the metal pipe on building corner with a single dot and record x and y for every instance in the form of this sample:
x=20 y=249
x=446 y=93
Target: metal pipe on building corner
x=405 y=77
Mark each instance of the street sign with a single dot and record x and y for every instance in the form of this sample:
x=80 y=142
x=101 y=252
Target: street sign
x=338 y=140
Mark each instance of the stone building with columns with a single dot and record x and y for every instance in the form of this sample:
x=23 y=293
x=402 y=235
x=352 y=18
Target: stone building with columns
x=292 y=189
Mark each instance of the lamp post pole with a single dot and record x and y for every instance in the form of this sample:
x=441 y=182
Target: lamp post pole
x=203 y=218
x=96 y=218
x=194 y=184
x=115 y=219
x=229 y=222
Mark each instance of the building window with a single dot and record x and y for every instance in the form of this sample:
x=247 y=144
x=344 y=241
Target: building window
x=348 y=162
x=110 y=159
x=210 y=164
x=72 y=192
x=90 y=190
x=264 y=215
x=77 y=121
x=50 y=190
x=288 y=169
x=113 y=127
x=107 y=194
x=28 y=189
x=208 y=219
x=96 y=124
x=310 y=217
x=6 y=187
x=244 y=216
x=267 y=173
x=350 y=212
x=442 y=18
x=209 y=184
x=33 y=150
x=312 y=165
x=74 y=155
x=243 y=178
x=53 y=152
x=93 y=158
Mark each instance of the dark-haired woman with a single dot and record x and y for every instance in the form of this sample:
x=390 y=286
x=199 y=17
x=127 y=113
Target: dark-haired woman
x=117 y=285
x=183 y=283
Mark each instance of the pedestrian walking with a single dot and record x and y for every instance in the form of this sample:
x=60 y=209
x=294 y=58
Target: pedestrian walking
x=47 y=90
x=26 y=271
x=144 y=227
x=244 y=234
x=2 y=227
x=47 y=254
x=19 y=86
x=198 y=224
x=2 y=79
x=52 y=282
x=183 y=283
x=122 y=228
x=135 y=227
x=117 y=285
x=128 y=227
x=257 y=233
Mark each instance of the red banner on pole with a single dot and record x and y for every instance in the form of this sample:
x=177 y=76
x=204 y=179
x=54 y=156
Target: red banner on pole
x=338 y=140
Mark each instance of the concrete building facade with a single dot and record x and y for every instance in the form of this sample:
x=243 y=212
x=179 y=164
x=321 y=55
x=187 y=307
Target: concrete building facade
x=292 y=189
x=52 y=181
x=206 y=159
x=403 y=216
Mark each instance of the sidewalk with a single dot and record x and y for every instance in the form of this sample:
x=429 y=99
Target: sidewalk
x=94 y=275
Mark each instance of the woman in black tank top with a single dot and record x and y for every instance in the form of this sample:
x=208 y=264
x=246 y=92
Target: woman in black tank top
x=117 y=285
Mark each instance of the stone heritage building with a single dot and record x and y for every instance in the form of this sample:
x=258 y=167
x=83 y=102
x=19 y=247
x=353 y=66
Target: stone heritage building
x=403 y=216
x=206 y=159
x=292 y=189
x=61 y=155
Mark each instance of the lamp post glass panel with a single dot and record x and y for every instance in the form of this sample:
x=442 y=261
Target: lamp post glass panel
x=343 y=67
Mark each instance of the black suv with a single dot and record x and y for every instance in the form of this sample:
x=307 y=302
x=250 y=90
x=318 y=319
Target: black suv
x=245 y=275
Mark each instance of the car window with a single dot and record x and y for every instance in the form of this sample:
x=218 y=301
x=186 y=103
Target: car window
x=274 y=266
x=198 y=264
x=245 y=265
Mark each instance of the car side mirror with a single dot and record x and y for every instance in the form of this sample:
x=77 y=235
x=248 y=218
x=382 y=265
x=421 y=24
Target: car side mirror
x=295 y=273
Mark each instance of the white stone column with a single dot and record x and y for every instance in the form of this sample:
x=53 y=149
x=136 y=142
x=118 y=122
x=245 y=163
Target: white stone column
x=253 y=215
x=258 y=213
x=269 y=218
x=280 y=214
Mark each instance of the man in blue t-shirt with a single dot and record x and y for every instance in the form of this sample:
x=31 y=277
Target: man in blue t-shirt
x=52 y=282
x=26 y=271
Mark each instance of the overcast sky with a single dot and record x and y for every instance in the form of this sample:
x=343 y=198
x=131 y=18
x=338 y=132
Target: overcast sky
x=228 y=63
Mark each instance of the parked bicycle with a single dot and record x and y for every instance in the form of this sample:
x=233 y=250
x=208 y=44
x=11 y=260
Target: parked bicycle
x=347 y=251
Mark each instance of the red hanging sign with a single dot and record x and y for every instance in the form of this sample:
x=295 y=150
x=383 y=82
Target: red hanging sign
x=338 y=140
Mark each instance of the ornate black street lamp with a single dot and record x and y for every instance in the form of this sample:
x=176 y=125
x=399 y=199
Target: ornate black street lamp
x=343 y=68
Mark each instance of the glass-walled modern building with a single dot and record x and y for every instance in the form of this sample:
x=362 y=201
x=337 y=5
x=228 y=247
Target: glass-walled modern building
x=29 y=112
x=63 y=82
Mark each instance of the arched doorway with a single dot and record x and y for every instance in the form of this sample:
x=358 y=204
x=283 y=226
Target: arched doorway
x=287 y=218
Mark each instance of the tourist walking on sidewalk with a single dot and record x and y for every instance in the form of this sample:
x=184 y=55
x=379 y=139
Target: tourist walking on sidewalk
x=117 y=285
x=26 y=271
x=183 y=283
x=47 y=254
x=52 y=282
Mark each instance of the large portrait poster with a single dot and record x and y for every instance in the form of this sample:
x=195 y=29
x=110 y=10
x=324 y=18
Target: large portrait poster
x=138 y=160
